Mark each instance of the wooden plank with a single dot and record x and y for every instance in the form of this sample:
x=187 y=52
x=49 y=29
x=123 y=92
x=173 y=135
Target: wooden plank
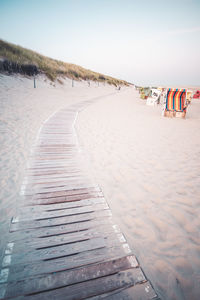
x=53 y=157
x=70 y=186
x=63 y=193
x=63 y=220
x=64 y=199
x=61 y=212
x=50 y=162
x=53 y=189
x=52 y=174
x=41 y=168
x=85 y=257
x=142 y=291
x=59 y=197
x=61 y=229
x=52 y=165
x=60 y=206
x=65 y=180
x=38 y=176
x=58 y=146
x=53 y=152
x=66 y=278
x=68 y=192
x=31 y=172
x=90 y=288
x=106 y=230
x=39 y=187
x=47 y=158
x=23 y=271
x=58 y=251
x=65 y=250
x=65 y=205
x=49 y=150
x=44 y=192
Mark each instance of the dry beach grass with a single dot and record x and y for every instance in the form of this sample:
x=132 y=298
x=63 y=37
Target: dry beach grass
x=52 y=68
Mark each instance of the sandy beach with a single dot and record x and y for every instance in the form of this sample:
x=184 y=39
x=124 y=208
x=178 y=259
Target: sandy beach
x=147 y=167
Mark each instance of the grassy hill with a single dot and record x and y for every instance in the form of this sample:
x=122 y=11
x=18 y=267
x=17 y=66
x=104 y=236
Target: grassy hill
x=17 y=59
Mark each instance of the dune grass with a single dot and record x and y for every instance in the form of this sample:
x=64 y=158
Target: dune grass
x=52 y=68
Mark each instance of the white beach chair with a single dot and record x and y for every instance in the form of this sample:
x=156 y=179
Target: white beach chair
x=154 y=99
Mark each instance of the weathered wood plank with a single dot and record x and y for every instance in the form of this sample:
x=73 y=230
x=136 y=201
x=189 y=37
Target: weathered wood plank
x=31 y=255
x=66 y=278
x=60 y=197
x=123 y=279
x=139 y=291
x=49 y=162
x=61 y=212
x=41 y=232
x=70 y=186
x=71 y=191
x=65 y=205
x=67 y=192
x=64 y=199
x=22 y=271
x=37 y=177
x=53 y=183
x=106 y=230
x=58 y=251
x=63 y=220
x=43 y=191
x=56 y=188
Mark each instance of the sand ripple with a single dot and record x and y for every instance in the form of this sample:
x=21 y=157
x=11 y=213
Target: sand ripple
x=148 y=167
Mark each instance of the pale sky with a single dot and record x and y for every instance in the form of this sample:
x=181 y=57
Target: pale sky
x=147 y=42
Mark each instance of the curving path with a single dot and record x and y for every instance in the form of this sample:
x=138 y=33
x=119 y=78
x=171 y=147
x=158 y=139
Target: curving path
x=63 y=243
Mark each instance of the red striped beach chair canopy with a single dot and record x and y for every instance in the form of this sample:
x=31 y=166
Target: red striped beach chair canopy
x=176 y=100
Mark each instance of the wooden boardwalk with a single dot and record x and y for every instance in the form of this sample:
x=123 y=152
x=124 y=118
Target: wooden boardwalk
x=63 y=243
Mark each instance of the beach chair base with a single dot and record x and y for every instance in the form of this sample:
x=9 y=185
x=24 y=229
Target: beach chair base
x=175 y=114
x=180 y=114
x=169 y=114
x=151 y=101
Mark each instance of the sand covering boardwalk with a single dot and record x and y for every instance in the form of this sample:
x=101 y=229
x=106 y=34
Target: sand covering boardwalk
x=63 y=243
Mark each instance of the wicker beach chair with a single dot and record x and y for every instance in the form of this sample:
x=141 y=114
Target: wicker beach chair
x=189 y=97
x=144 y=92
x=175 y=103
x=154 y=99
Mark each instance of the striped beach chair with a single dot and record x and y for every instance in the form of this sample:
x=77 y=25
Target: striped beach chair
x=175 y=104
